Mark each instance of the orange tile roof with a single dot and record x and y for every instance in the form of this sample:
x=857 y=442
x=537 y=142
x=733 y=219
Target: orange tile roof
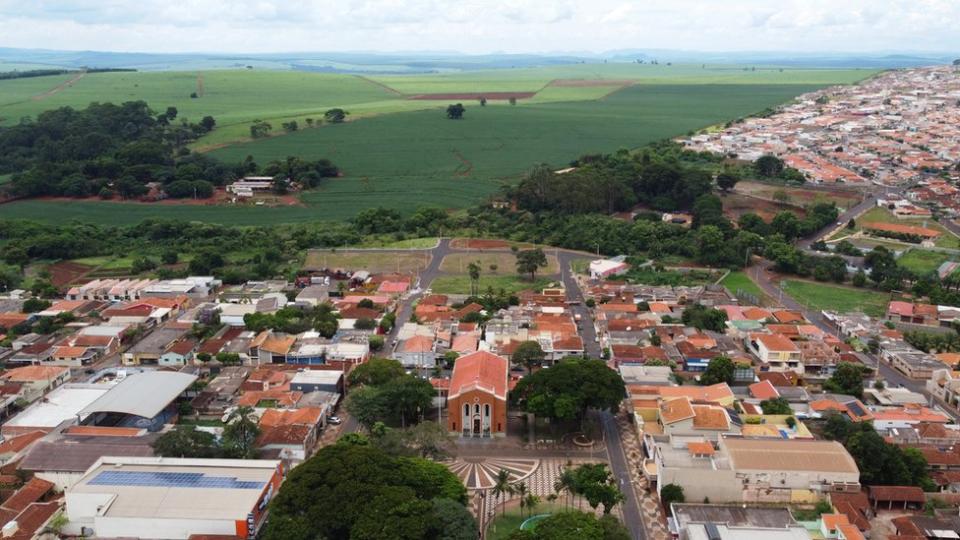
x=33 y=373
x=786 y=316
x=69 y=352
x=306 y=415
x=19 y=442
x=707 y=417
x=714 y=392
x=832 y=521
x=287 y=434
x=776 y=342
x=915 y=413
x=31 y=492
x=417 y=344
x=756 y=314
x=676 y=410
x=482 y=370
x=763 y=390
x=659 y=307
x=701 y=448
x=278 y=345
x=284 y=398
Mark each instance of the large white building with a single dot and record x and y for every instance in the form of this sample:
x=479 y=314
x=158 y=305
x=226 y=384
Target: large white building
x=133 y=497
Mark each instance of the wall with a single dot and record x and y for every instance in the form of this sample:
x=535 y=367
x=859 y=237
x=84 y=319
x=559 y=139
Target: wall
x=718 y=485
x=61 y=480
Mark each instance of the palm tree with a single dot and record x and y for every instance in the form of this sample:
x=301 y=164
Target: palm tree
x=521 y=490
x=566 y=482
x=532 y=502
x=502 y=486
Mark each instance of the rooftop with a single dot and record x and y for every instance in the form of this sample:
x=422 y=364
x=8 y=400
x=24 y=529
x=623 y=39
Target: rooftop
x=789 y=455
x=143 y=394
x=156 y=488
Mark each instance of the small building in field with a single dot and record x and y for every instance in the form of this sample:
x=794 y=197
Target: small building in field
x=477 y=399
x=250 y=185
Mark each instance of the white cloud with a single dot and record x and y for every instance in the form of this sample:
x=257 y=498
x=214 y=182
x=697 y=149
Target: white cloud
x=480 y=25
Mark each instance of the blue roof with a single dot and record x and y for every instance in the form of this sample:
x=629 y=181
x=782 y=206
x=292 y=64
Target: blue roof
x=171 y=480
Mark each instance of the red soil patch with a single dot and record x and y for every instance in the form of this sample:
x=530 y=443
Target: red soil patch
x=65 y=272
x=481 y=244
x=590 y=83
x=474 y=96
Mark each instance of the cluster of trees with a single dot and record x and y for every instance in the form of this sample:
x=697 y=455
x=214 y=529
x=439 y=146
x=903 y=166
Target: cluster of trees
x=103 y=149
x=705 y=318
x=353 y=489
x=294 y=320
x=880 y=462
x=612 y=183
x=110 y=150
x=769 y=166
x=387 y=395
x=568 y=389
x=928 y=341
x=238 y=440
x=847 y=379
x=593 y=482
x=720 y=370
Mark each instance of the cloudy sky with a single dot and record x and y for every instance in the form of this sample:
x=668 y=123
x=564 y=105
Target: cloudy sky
x=478 y=26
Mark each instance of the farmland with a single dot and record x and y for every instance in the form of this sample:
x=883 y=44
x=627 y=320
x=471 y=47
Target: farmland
x=403 y=153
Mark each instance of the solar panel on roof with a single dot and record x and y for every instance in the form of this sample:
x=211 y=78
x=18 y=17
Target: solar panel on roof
x=171 y=480
x=856 y=409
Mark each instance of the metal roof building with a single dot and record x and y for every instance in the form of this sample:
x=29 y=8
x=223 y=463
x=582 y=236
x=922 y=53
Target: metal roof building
x=143 y=394
x=172 y=498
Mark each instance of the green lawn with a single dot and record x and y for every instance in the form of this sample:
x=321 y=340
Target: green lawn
x=409 y=243
x=510 y=283
x=921 y=261
x=740 y=281
x=821 y=296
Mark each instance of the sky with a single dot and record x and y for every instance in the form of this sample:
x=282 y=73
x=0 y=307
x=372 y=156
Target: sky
x=481 y=26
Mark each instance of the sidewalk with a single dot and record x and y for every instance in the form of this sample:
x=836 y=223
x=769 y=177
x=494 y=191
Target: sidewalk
x=653 y=518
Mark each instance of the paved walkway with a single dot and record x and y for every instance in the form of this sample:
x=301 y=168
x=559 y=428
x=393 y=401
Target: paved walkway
x=653 y=518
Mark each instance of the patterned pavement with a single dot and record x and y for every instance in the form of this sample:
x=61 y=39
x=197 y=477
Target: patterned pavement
x=653 y=518
x=481 y=473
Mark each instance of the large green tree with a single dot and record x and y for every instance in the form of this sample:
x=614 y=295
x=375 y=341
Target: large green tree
x=529 y=261
x=719 y=370
x=528 y=354
x=375 y=372
x=847 y=379
x=568 y=389
x=359 y=491
x=572 y=525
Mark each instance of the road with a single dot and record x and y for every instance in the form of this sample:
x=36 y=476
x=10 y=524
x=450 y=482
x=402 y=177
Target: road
x=632 y=516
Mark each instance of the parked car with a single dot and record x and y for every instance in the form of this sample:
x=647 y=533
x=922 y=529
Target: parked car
x=335 y=420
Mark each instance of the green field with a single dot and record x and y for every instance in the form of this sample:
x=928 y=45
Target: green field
x=511 y=283
x=921 y=261
x=882 y=215
x=821 y=296
x=739 y=281
x=401 y=153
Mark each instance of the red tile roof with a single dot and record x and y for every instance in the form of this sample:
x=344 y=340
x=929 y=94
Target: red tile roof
x=763 y=390
x=31 y=492
x=481 y=370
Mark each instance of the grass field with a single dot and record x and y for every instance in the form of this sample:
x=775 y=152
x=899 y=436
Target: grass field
x=410 y=243
x=739 y=281
x=460 y=284
x=373 y=261
x=921 y=261
x=456 y=263
x=407 y=154
x=821 y=296
x=503 y=526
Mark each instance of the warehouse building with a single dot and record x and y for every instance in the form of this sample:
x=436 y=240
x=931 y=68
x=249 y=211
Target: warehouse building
x=171 y=498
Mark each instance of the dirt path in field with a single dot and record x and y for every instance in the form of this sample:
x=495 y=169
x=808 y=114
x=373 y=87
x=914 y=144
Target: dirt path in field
x=393 y=91
x=466 y=166
x=59 y=87
x=199 y=84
